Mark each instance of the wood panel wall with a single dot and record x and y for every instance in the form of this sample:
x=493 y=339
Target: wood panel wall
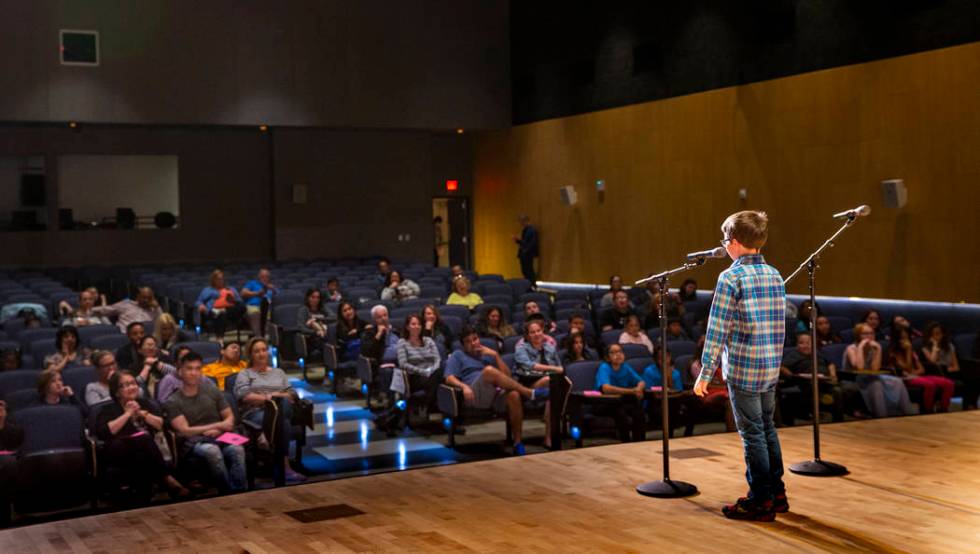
x=804 y=147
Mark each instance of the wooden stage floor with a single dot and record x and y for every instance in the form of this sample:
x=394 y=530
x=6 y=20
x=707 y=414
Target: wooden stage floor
x=914 y=487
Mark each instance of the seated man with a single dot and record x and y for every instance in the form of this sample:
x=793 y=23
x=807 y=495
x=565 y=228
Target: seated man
x=144 y=308
x=378 y=335
x=615 y=317
x=532 y=308
x=200 y=415
x=229 y=364
x=485 y=380
x=256 y=292
x=675 y=331
x=127 y=355
x=800 y=361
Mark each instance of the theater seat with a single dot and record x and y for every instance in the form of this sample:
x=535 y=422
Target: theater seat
x=55 y=467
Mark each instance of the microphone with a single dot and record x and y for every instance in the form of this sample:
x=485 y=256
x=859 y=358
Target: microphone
x=716 y=252
x=860 y=211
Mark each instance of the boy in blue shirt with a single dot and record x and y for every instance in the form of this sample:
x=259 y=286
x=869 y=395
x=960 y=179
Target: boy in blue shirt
x=746 y=328
x=617 y=377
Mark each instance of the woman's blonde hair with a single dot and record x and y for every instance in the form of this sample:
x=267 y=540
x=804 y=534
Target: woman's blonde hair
x=164 y=319
x=460 y=279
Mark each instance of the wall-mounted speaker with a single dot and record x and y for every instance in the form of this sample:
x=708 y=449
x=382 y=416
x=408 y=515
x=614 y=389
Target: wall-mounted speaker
x=893 y=193
x=568 y=196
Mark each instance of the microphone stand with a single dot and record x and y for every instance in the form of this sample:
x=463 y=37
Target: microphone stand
x=817 y=467
x=666 y=487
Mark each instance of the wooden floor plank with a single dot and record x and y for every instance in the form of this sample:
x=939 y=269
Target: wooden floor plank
x=914 y=487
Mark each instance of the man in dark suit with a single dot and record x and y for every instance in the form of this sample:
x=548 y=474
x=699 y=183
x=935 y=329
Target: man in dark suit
x=527 y=249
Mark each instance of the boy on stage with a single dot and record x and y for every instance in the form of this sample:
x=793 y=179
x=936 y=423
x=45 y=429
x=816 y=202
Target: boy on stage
x=746 y=329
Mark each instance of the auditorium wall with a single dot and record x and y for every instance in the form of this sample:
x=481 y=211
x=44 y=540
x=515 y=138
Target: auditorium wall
x=803 y=147
x=426 y=64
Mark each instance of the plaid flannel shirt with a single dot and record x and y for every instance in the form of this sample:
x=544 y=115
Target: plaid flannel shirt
x=746 y=326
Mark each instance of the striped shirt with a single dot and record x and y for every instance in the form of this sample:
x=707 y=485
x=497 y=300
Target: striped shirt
x=746 y=326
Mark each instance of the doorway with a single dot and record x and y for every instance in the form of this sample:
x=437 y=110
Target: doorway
x=451 y=222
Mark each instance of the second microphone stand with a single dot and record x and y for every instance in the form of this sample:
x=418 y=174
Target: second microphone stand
x=666 y=487
x=817 y=467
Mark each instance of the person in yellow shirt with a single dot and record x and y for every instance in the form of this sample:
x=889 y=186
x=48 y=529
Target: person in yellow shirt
x=462 y=295
x=230 y=363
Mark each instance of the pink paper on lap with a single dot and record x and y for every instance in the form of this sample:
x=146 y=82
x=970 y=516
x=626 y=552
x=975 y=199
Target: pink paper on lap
x=592 y=393
x=233 y=439
x=656 y=389
x=6 y=452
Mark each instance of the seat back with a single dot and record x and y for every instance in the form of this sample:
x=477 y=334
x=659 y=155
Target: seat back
x=18 y=379
x=635 y=351
x=109 y=342
x=87 y=333
x=582 y=375
x=78 y=378
x=834 y=353
x=210 y=351
x=48 y=427
x=611 y=336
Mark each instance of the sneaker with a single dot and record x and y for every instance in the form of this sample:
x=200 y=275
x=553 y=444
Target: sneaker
x=748 y=510
x=294 y=477
x=519 y=449
x=780 y=504
x=540 y=393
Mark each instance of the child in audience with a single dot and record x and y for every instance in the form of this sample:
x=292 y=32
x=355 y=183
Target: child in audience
x=333 y=293
x=675 y=331
x=577 y=350
x=229 y=364
x=689 y=290
x=616 y=377
x=51 y=391
x=872 y=318
x=883 y=394
x=633 y=334
x=10 y=359
x=938 y=355
x=825 y=335
x=803 y=316
x=902 y=357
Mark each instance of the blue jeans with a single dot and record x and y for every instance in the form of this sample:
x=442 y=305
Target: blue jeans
x=763 y=459
x=226 y=463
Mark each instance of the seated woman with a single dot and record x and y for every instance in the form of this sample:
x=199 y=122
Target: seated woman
x=168 y=333
x=397 y=289
x=615 y=284
x=902 y=357
x=872 y=318
x=127 y=426
x=493 y=326
x=418 y=360
x=938 y=355
x=349 y=329
x=220 y=304
x=803 y=316
x=578 y=350
x=902 y=322
x=462 y=295
x=689 y=290
x=229 y=364
x=616 y=377
x=882 y=394
x=534 y=360
x=51 y=391
x=632 y=334
x=825 y=335
x=150 y=368
x=653 y=377
x=313 y=318
x=67 y=351
x=105 y=366
x=435 y=328
x=83 y=314
x=256 y=387
x=716 y=401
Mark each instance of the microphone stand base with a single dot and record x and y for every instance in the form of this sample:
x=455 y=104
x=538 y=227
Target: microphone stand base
x=819 y=468
x=667 y=489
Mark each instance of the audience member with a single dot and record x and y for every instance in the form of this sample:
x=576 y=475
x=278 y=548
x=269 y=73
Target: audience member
x=230 y=363
x=902 y=357
x=689 y=290
x=825 y=335
x=150 y=368
x=258 y=294
x=462 y=295
x=633 y=334
x=105 y=365
x=616 y=377
x=803 y=315
x=486 y=383
x=378 y=335
x=615 y=284
x=167 y=333
x=492 y=325
x=333 y=293
x=535 y=359
x=532 y=308
x=675 y=331
x=902 y=322
x=882 y=393
x=938 y=355
x=797 y=365
x=220 y=304
x=349 y=329
x=577 y=350
x=84 y=314
x=872 y=318
x=127 y=427
x=384 y=267
x=576 y=323
x=418 y=360
x=201 y=416
x=397 y=289
x=10 y=359
x=51 y=391
x=683 y=409
x=313 y=317
x=11 y=437
x=128 y=355
x=457 y=271
x=67 y=352
x=144 y=308
x=716 y=401
x=255 y=388
x=435 y=328
x=616 y=316
x=653 y=377
x=673 y=306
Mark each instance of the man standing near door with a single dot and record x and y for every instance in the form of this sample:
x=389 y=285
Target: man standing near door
x=527 y=249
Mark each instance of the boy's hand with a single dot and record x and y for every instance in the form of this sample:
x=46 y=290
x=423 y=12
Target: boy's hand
x=701 y=387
